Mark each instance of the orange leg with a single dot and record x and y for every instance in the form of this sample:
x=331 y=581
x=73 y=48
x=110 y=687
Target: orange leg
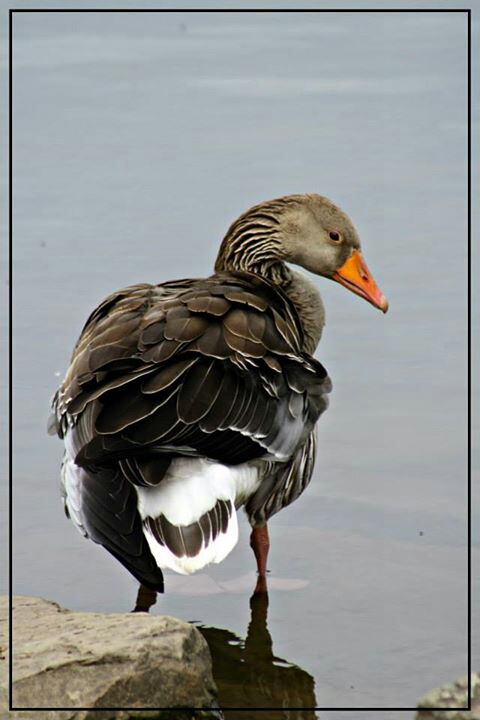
x=260 y=544
x=145 y=599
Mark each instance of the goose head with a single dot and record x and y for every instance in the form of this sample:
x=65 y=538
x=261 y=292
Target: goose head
x=305 y=230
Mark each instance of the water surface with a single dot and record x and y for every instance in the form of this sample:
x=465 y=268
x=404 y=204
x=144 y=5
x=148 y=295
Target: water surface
x=137 y=140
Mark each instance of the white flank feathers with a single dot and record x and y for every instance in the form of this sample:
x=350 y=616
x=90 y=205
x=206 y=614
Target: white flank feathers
x=71 y=482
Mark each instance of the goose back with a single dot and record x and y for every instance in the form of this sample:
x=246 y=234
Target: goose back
x=212 y=367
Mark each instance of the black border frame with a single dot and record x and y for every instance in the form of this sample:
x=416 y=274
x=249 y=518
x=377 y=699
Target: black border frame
x=11 y=11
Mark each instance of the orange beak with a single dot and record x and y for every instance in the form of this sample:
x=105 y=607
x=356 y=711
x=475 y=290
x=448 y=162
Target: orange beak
x=355 y=275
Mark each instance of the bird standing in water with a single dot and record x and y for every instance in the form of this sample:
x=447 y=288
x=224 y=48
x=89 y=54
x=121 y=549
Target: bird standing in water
x=187 y=400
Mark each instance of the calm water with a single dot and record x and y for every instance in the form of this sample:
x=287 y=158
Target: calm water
x=137 y=140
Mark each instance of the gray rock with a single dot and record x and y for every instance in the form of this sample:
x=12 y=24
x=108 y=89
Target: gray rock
x=64 y=659
x=454 y=695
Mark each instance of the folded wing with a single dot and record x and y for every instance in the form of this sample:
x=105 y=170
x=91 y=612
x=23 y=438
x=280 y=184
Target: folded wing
x=209 y=367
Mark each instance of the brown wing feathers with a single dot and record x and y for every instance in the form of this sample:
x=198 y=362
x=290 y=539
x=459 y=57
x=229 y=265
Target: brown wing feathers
x=211 y=367
x=111 y=519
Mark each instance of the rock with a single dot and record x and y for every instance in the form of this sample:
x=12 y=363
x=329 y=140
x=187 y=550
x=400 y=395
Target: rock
x=64 y=659
x=448 y=696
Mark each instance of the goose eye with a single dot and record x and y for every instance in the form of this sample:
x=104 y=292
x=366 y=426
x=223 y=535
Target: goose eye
x=335 y=236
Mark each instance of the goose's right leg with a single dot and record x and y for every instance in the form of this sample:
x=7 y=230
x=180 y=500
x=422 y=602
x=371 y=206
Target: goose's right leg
x=260 y=544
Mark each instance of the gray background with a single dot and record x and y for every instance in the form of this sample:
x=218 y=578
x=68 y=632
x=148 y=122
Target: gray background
x=137 y=140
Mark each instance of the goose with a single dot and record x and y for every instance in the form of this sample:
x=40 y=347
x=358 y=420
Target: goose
x=187 y=400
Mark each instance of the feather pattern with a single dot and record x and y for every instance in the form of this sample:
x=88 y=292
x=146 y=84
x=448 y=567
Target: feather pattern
x=155 y=386
x=186 y=400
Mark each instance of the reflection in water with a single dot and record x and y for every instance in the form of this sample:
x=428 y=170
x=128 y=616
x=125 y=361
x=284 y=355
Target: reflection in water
x=248 y=675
